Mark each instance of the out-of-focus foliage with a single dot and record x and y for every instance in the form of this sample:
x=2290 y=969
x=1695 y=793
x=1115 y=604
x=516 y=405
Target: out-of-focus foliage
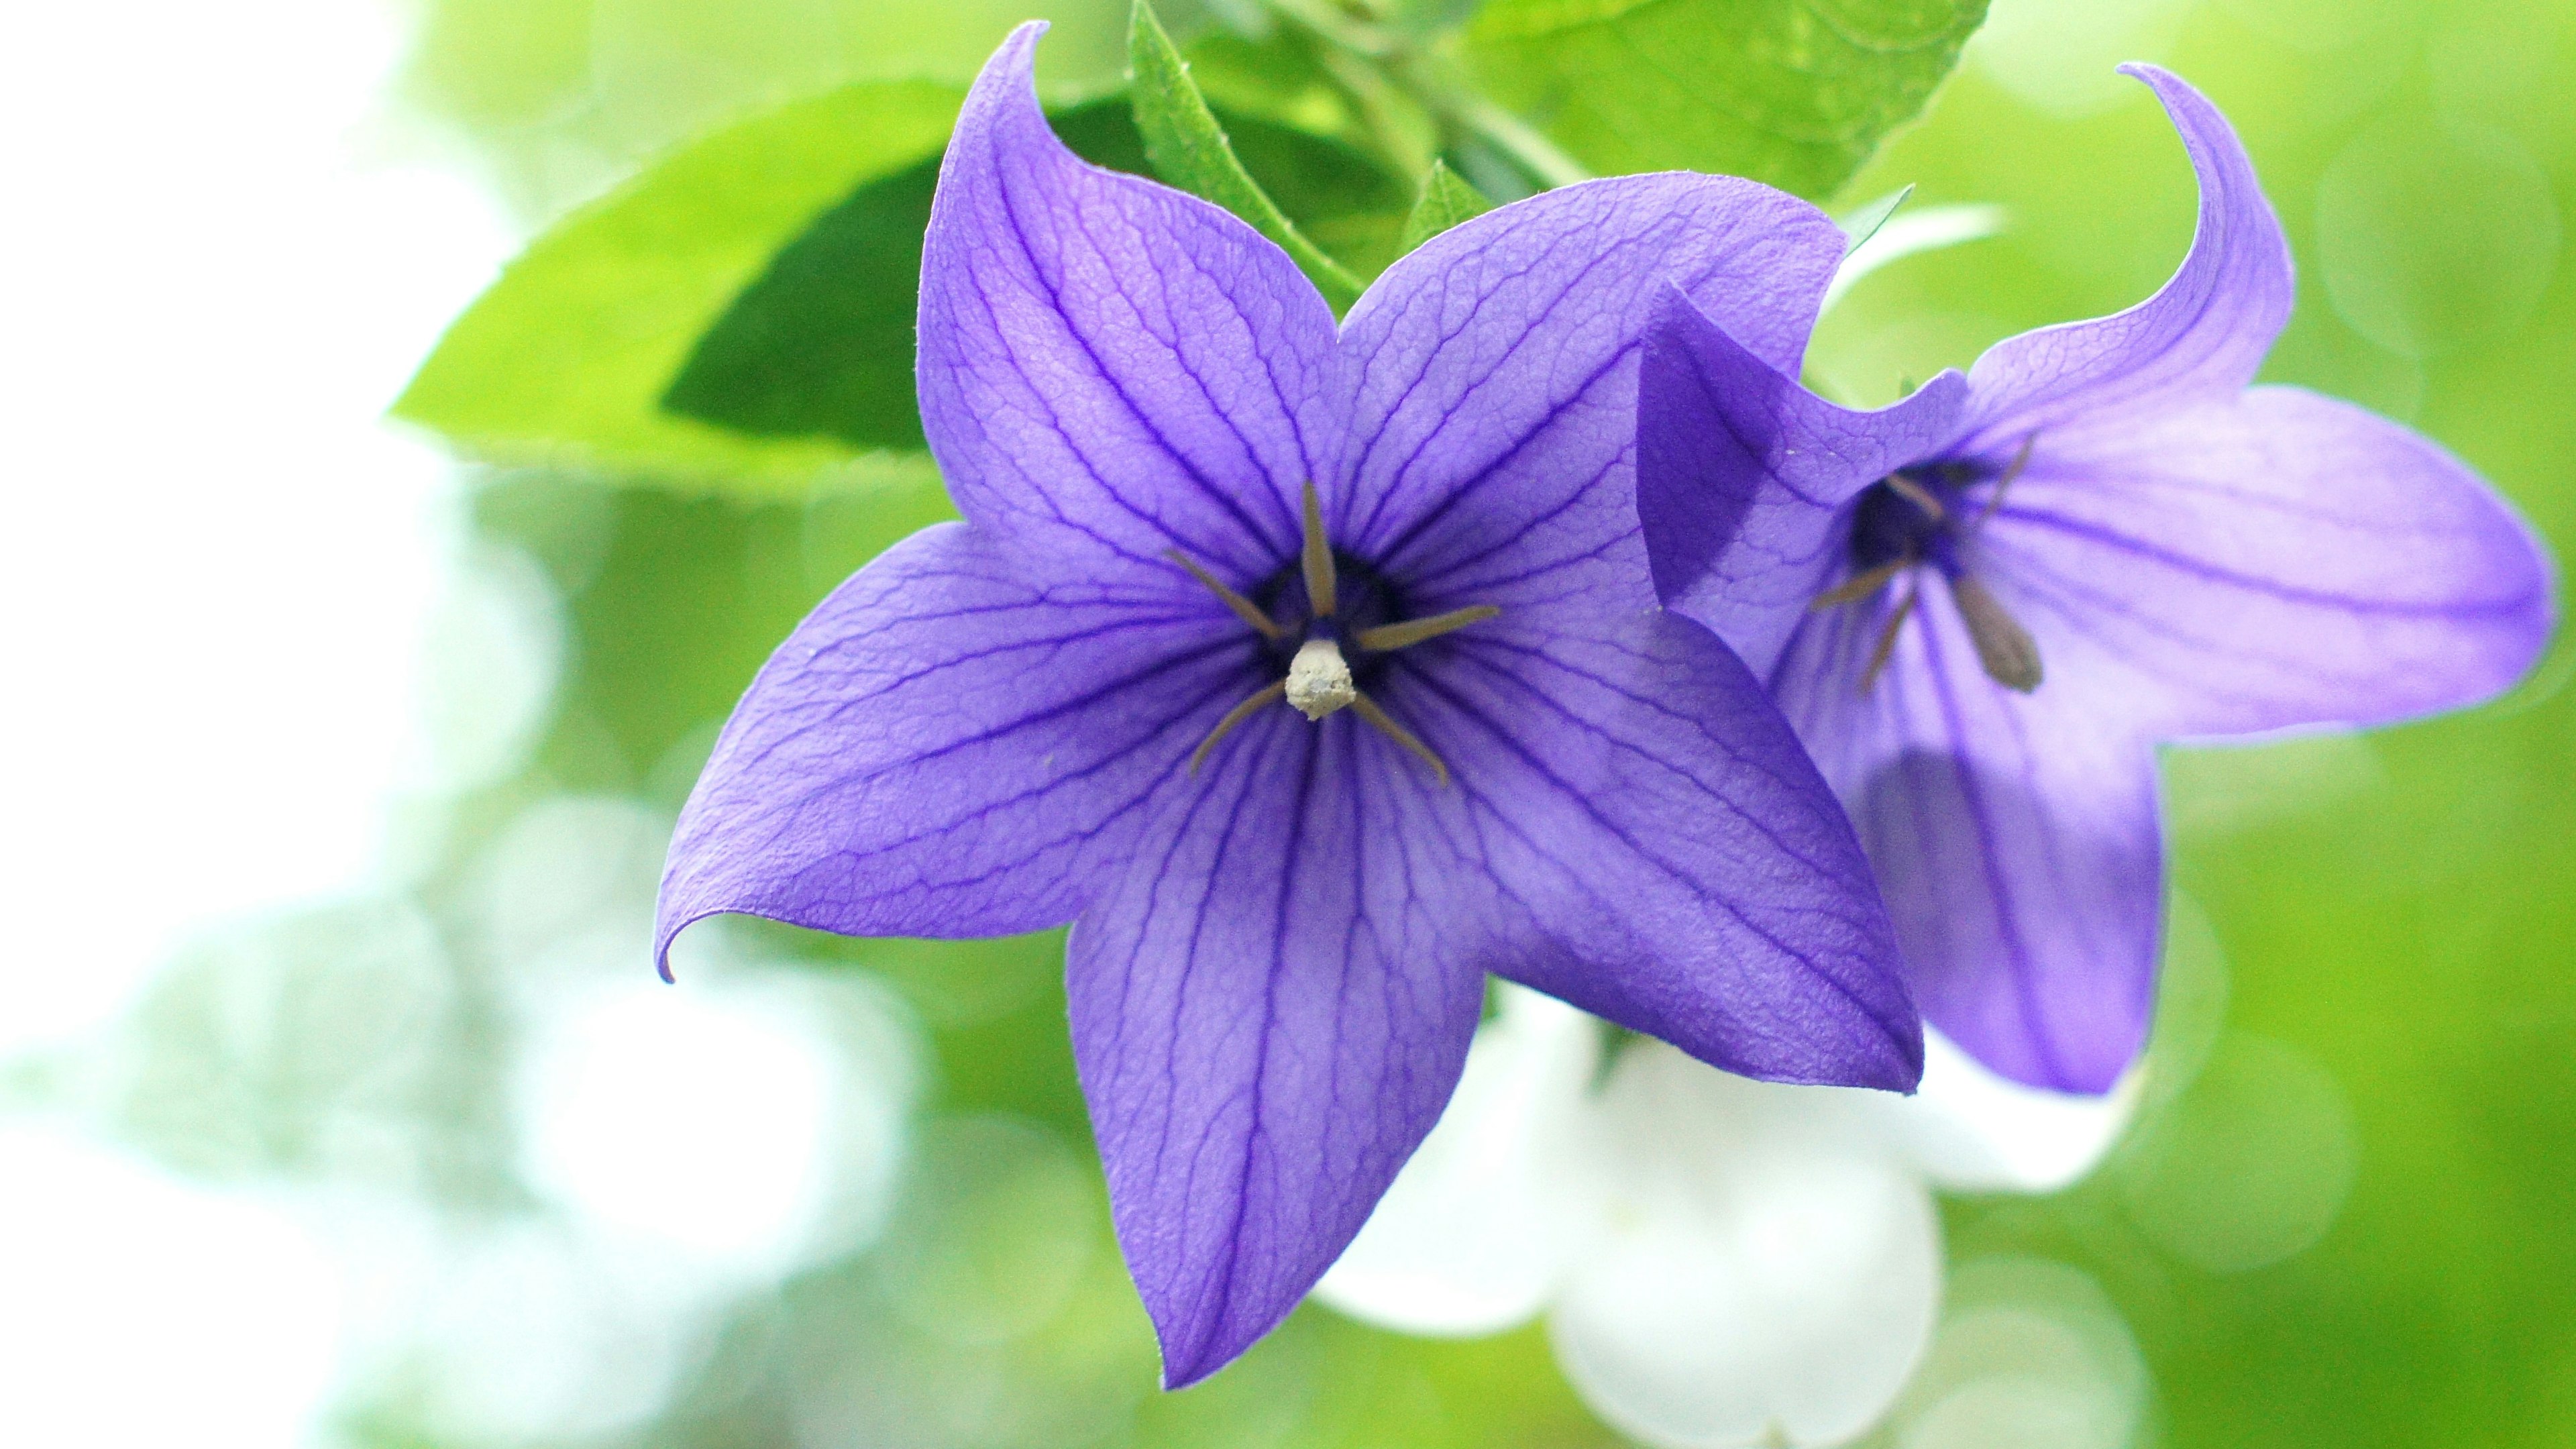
x=1188 y=148
x=738 y=315
x=1797 y=93
x=704 y=326
x=567 y=358
x=563 y=96
x=820 y=344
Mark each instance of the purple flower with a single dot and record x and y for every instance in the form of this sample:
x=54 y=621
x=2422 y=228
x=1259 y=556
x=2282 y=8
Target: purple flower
x=1984 y=606
x=1190 y=501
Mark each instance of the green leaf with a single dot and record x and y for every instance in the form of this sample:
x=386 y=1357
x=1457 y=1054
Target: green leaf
x=1864 y=221
x=1797 y=93
x=566 y=358
x=1446 y=201
x=821 y=343
x=1189 y=149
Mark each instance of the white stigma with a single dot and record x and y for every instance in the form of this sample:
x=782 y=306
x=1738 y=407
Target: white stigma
x=1318 y=681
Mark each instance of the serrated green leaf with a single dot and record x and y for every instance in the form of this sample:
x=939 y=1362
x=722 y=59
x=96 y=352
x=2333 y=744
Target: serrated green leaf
x=821 y=343
x=566 y=358
x=1797 y=93
x=1189 y=149
x=1446 y=200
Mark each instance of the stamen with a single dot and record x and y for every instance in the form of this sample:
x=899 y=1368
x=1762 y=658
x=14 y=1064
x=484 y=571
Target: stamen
x=1413 y=631
x=1319 y=558
x=1885 y=649
x=1918 y=495
x=1236 y=716
x=1244 y=609
x=1367 y=709
x=1859 y=586
x=1319 y=680
x=2011 y=471
x=2004 y=647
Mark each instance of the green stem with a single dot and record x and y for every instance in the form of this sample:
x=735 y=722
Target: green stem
x=1542 y=158
x=1391 y=58
x=1347 y=31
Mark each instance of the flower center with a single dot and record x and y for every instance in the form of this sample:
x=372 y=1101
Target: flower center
x=1921 y=517
x=1351 y=617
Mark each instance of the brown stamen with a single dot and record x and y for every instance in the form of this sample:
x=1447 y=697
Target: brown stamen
x=1859 y=586
x=1413 y=631
x=1244 y=609
x=1236 y=716
x=1320 y=584
x=1367 y=709
x=2004 y=647
x=1918 y=495
x=1885 y=648
x=2003 y=484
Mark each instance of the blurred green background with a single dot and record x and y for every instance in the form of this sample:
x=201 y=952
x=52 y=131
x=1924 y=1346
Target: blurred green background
x=2342 y=1218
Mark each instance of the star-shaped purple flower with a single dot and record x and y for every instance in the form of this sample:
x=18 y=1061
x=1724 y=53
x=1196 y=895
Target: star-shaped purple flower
x=1984 y=606
x=1313 y=673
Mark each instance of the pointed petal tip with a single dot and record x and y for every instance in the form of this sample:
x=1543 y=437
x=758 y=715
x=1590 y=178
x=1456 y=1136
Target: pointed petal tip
x=2174 y=93
x=1022 y=43
x=2203 y=334
x=1902 y=1072
x=1193 y=1353
x=666 y=934
x=1180 y=1374
x=1009 y=75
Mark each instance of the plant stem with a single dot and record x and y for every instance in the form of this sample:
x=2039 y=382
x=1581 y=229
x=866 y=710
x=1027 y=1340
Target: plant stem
x=1347 y=31
x=1545 y=161
x=1389 y=58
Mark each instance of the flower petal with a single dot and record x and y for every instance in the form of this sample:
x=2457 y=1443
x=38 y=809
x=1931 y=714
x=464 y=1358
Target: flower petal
x=944 y=748
x=1665 y=853
x=1120 y=366
x=1477 y=1232
x=1268 y=1013
x=2201 y=336
x=2015 y=835
x=1740 y=473
x=1968 y=1130
x=1772 y=1273
x=1491 y=376
x=2271 y=560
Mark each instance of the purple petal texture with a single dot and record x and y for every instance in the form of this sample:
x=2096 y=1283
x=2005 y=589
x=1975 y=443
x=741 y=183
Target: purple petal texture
x=2201 y=336
x=1491 y=377
x=1278 y=957
x=1269 y=1012
x=2192 y=559
x=945 y=748
x=2015 y=836
x=1742 y=475
x=1664 y=853
x=1113 y=364
x=2271 y=560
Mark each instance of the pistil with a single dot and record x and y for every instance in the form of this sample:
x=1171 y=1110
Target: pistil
x=1318 y=679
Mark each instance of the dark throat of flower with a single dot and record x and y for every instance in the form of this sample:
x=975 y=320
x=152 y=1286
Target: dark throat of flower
x=1317 y=679
x=1913 y=519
